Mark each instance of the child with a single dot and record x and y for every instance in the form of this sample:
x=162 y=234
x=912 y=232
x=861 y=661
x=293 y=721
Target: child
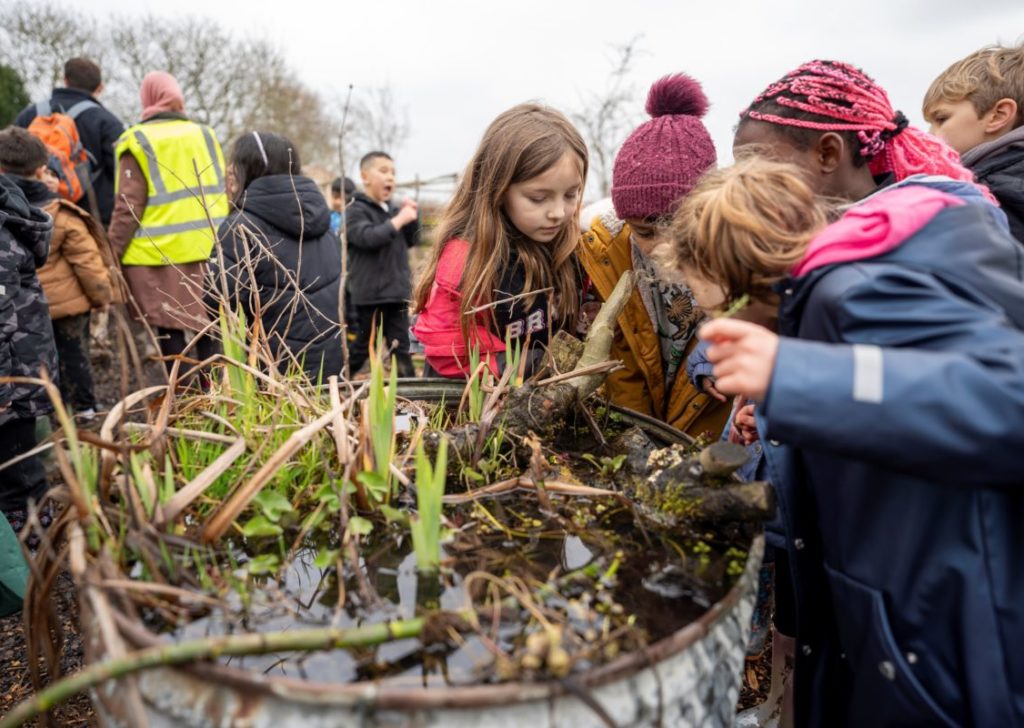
x=337 y=223
x=77 y=275
x=502 y=263
x=836 y=123
x=893 y=408
x=656 y=167
x=282 y=261
x=26 y=348
x=337 y=216
x=379 y=280
x=977 y=106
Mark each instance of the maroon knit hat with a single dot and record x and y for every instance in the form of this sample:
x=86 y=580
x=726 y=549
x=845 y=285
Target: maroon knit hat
x=663 y=158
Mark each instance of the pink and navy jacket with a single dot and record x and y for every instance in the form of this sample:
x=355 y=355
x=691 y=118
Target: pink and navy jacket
x=893 y=431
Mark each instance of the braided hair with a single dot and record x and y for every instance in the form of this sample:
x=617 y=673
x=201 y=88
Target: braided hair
x=822 y=96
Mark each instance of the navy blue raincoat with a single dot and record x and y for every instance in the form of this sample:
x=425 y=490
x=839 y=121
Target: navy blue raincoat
x=899 y=396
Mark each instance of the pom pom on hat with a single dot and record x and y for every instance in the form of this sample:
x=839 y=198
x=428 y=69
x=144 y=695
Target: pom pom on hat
x=664 y=157
x=677 y=95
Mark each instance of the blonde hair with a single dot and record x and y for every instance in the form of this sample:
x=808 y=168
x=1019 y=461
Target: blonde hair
x=984 y=77
x=744 y=227
x=520 y=144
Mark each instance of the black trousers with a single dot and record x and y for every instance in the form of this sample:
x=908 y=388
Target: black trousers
x=24 y=480
x=172 y=342
x=71 y=334
x=393 y=319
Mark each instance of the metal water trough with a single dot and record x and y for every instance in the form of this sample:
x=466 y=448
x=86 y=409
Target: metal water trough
x=690 y=678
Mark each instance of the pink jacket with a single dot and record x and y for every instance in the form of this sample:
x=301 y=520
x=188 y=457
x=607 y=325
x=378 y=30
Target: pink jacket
x=438 y=325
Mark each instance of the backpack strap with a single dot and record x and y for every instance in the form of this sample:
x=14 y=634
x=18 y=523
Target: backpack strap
x=43 y=108
x=82 y=106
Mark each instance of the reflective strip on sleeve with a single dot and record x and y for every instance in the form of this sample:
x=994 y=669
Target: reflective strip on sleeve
x=868 y=374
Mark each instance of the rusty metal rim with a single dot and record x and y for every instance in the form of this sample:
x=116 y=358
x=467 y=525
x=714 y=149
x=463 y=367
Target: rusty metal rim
x=384 y=696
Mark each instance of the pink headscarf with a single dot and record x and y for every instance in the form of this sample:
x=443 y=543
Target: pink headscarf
x=160 y=92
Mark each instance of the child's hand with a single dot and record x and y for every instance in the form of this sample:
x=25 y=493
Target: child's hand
x=707 y=385
x=746 y=425
x=743 y=355
x=406 y=214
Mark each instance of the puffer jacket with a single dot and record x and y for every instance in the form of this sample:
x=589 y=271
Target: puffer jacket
x=893 y=430
x=640 y=385
x=26 y=334
x=282 y=230
x=378 y=255
x=78 y=275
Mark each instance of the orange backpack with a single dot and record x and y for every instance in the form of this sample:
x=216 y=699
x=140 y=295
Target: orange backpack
x=69 y=160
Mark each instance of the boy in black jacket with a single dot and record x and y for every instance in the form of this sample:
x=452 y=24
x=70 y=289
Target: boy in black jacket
x=977 y=106
x=379 y=280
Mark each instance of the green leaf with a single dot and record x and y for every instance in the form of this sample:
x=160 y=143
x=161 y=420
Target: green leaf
x=394 y=515
x=327 y=496
x=359 y=526
x=264 y=564
x=261 y=526
x=473 y=475
x=376 y=484
x=273 y=504
x=326 y=558
x=168 y=489
x=425 y=527
x=313 y=520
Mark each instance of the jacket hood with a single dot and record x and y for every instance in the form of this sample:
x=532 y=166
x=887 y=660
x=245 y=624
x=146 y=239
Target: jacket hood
x=875 y=226
x=30 y=226
x=917 y=224
x=293 y=205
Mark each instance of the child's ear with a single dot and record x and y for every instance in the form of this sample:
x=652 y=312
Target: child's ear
x=830 y=151
x=40 y=172
x=999 y=119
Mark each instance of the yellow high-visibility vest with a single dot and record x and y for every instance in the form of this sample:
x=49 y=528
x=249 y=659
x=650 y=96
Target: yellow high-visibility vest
x=175 y=226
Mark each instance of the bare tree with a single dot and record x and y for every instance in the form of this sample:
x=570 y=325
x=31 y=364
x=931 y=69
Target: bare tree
x=37 y=38
x=235 y=84
x=375 y=121
x=609 y=115
x=293 y=109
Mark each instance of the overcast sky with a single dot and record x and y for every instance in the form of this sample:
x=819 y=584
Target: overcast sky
x=456 y=65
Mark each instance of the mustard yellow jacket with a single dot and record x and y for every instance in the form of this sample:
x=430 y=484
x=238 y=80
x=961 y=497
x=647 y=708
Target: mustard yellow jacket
x=605 y=254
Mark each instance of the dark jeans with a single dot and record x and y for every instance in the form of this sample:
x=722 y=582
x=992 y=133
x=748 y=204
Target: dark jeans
x=24 y=480
x=71 y=335
x=394 y=318
x=172 y=342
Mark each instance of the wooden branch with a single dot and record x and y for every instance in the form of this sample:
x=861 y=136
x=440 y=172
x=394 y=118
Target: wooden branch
x=184 y=497
x=230 y=510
